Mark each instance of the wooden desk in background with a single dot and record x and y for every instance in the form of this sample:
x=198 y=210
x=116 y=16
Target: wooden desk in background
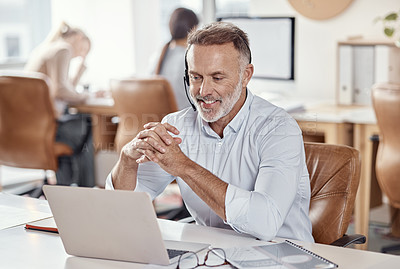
x=102 y=111
x=352 y=126
x=326 y=121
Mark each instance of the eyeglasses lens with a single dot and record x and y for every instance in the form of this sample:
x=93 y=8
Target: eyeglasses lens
x=188 y=260
x=215 y=257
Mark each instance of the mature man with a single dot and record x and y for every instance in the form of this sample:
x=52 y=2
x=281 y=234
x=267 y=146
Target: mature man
x=239 y=160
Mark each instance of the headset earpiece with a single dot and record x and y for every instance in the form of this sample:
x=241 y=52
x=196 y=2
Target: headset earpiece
x=186 y=78
x=186 y=82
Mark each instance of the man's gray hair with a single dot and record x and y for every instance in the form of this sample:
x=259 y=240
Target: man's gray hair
x=219 y=33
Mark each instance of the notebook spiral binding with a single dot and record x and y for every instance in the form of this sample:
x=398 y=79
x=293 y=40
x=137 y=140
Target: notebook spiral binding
x=311 y=253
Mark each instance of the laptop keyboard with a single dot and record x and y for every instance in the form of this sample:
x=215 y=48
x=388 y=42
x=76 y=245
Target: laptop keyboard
x=175 y=252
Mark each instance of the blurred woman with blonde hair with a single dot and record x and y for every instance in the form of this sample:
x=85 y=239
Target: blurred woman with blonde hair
x=53 y=58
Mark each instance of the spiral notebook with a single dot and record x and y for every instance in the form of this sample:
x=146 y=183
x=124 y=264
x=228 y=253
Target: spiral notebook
x=280 y=255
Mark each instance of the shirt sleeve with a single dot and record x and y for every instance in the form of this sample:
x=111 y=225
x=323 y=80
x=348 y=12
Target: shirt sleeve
x=151 y=179
x=262 y=211
x=109 y=184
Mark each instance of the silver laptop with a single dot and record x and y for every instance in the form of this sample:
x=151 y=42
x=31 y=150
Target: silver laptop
x=115 y=225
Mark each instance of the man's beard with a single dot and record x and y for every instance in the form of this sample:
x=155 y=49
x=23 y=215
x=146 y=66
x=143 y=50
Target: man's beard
x=226 y=106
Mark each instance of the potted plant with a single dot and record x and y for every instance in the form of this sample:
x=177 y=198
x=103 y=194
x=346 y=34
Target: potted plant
x=391 y=26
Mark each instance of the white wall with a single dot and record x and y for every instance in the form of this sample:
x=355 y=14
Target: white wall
x=315 y=54
x=146 y=33
x=125 y=33
x=110 y=26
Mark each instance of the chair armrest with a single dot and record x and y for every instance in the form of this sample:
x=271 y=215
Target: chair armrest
x=349 y=239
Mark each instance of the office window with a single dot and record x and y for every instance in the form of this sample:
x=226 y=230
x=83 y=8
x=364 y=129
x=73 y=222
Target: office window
x=12 y=46
x=23 y=25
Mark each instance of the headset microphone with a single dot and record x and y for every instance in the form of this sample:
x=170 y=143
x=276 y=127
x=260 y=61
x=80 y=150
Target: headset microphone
x=186 y=83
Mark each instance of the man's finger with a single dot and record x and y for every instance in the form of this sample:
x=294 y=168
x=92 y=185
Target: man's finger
x=149 y=143
x=171 y=128
x=142 y=159
x=178 y=140
x=168 y=127
x=154 y=143
x=150 y=155
x=149 y=133
x=161 y=130
x=150 y=125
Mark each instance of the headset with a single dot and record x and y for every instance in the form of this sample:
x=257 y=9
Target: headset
x=186 y=80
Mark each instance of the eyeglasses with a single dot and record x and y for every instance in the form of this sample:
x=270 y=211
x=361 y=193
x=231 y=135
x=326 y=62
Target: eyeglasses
x=214 y=257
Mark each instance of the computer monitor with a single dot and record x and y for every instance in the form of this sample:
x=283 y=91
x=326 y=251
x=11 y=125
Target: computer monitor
x=271 y=43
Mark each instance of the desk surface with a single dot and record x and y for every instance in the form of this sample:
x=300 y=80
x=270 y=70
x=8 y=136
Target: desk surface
x=337 y=114
x=101 y=106
x=321 y=112
x=20 y=248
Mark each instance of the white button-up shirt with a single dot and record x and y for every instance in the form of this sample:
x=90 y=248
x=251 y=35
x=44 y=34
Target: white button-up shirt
x=261 y=157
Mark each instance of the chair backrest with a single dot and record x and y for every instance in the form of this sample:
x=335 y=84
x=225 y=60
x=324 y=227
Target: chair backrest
x=334 y=176
x=139 y=101
x=27 y=122
x=386 y=103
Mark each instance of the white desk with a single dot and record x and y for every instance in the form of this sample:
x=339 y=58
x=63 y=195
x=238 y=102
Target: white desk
x=20 y=248
x=19 y=180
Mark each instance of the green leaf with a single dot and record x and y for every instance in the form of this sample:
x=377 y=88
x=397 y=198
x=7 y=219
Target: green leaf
x=389 y=31
x=391 y=17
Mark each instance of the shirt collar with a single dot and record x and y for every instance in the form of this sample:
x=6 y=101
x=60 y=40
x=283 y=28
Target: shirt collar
x=236 y=122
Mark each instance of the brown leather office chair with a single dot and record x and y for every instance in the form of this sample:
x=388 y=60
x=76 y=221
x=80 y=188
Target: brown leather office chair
x=28 y=123
x=386 y=103
x=334 y=176
x=139 y=101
